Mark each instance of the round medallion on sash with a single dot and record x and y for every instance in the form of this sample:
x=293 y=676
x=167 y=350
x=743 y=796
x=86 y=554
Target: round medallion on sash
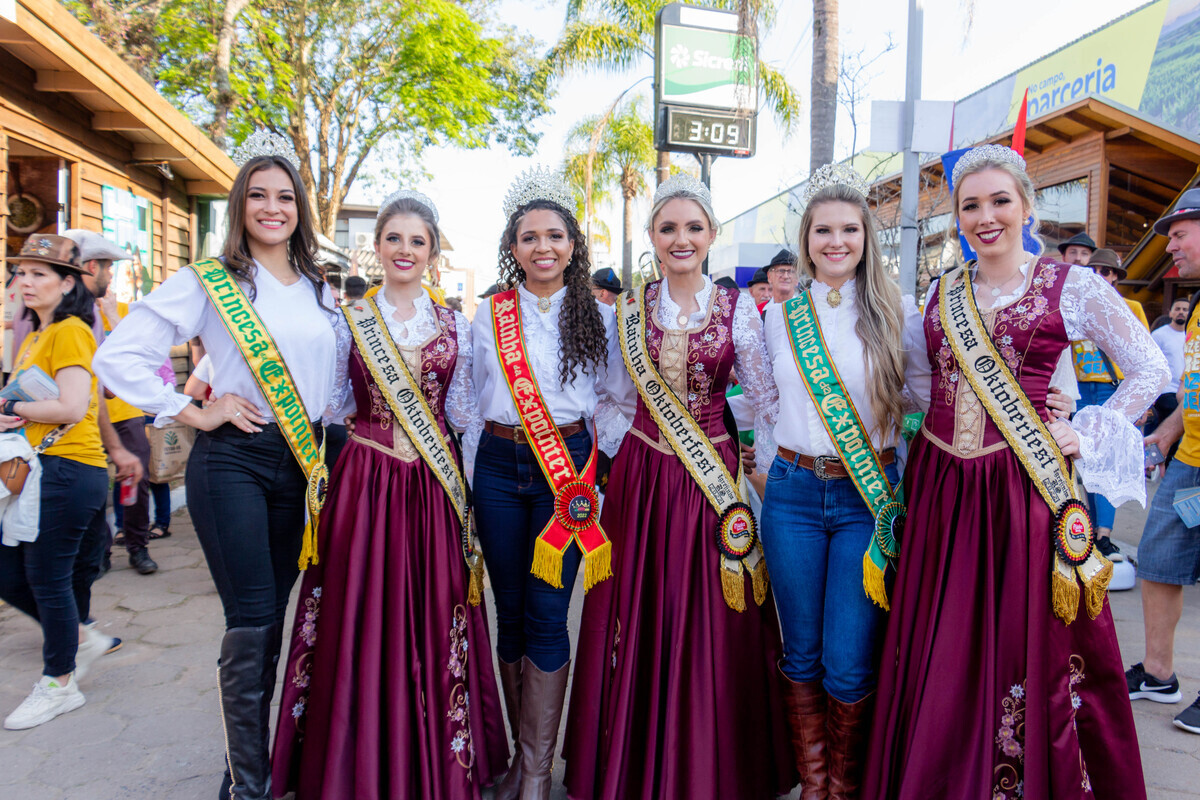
x=1074 y=536
x=576 y=506
x=318 y=484
x=737 y=532
x=889 y=528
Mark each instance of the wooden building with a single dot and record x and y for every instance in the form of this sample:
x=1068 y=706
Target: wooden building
x=85 y=142
x=1098 y=168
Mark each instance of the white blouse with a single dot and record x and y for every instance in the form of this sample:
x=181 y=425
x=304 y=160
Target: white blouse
x=567 y=403
x=1111 y=455
x=314 y=341
x=800 y=427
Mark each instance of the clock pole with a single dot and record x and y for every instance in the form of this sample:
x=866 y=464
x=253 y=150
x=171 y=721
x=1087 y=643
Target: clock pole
x=706 y=161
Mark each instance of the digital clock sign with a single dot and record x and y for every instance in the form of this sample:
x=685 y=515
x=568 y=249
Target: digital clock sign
x=707 y=132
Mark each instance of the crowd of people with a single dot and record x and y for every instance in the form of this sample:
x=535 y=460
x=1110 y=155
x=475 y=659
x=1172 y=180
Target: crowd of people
x=755 y=617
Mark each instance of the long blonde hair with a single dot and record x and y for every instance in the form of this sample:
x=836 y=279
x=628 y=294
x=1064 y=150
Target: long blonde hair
x=880 y=314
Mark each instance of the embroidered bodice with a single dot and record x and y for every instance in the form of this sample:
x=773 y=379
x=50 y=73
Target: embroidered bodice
x=1057 y=305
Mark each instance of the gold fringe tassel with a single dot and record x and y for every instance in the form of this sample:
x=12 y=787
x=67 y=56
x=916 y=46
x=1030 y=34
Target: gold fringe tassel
x=760 y=580
x=547 y=563
x=597 y=566
x=873 y=582
x=1095 y=590
x=734 y=588
x=1064 y=595
x=475 y=582
x=308 y=545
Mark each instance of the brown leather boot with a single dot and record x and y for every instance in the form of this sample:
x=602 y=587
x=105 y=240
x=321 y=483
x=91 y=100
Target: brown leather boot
x=806 y=712
x=508 y=787
x=542 y=695
x=848 y=726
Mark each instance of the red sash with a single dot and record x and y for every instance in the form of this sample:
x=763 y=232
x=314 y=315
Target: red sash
x=576 y=505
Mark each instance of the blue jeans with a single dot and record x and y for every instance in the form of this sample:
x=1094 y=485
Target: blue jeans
x=513 y=502
x=1170 y=551
x=50 y=579
x=814 y=536
x=1097 y=394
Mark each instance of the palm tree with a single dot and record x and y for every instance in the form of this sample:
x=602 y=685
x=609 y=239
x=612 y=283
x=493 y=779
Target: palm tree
x=624 y=157
x=613 y=35
x=823 y=115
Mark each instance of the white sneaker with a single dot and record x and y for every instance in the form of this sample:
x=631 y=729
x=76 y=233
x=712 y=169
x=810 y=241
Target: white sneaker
x=95 y=645
x=45 y=702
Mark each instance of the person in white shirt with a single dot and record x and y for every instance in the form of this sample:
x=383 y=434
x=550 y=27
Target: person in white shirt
x=245 y=490
x=1170 y=338
x=545 y=256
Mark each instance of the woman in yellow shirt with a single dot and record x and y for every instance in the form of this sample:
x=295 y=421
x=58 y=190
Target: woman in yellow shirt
x=36 y=577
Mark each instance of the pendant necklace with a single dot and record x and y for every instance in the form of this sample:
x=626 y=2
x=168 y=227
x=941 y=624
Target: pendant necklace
x=834 y=298
x=544 y=304
x=683 y=320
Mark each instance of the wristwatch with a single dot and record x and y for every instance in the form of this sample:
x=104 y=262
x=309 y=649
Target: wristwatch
x=6 y=407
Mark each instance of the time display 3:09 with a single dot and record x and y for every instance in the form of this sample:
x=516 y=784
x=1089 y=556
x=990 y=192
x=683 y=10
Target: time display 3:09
x=704 y=131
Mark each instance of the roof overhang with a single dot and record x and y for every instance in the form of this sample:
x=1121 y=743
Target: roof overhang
x=69 y=59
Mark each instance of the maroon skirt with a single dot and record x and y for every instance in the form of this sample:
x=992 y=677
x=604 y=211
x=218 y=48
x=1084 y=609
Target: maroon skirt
x=983 y=692
x=674 y=693
x=389 y=690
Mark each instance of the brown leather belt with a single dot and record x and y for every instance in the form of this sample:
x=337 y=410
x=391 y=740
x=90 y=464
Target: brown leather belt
x=829 y=467
x=517 y=434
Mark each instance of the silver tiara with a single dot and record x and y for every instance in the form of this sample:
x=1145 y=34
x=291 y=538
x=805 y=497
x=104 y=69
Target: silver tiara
x=538 y=183
x=991 y=153
x=265 y=143
x=832 y=175
x=409 y=194
x=681 y=184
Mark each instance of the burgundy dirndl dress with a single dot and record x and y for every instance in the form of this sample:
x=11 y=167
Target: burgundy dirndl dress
x=389 y=690
x=984 y=693
x=675 y=695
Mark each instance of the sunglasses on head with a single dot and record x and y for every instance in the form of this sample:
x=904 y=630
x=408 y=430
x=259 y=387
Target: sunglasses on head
x=1104 y=272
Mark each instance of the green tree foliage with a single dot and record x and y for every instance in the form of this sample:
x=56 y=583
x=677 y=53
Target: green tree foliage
x=351 y=80
x=624 y=157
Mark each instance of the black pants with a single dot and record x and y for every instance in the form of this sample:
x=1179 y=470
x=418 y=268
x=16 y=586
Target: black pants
x=135 y=519
x=50 y=579
x=246 y=496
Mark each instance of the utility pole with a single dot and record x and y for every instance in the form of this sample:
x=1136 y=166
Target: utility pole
x=706 y=161
x=910 y=187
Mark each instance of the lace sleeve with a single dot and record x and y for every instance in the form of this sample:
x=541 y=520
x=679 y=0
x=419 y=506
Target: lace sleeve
x=918 y=372
x=462 y=407
x=753 y=366
x=1110 y=447
x=338 y=404
x=616 y=396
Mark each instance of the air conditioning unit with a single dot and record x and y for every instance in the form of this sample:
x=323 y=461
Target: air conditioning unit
x=363 y=240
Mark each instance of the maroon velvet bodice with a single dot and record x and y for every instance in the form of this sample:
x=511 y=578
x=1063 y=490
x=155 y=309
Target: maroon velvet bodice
x=438 y=357
x=695 y=362
x=1030 y=335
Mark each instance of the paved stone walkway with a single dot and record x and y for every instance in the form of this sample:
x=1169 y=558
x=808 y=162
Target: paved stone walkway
x=150 y=728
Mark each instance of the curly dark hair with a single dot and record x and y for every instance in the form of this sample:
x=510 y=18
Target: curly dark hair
x=580 y=327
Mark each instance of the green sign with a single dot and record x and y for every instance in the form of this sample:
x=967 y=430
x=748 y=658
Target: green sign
x=708 y=68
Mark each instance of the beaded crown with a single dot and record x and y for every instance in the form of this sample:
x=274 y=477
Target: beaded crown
x=986 y=152
x=264 y=143
x=409 y=194
x=538 y=183
x=681 y=183
x=832 y=175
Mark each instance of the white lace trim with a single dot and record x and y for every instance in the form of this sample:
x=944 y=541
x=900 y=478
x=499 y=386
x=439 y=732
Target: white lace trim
x=668 y=309
x=341 y=399
x=753 y=367
x=410 y=332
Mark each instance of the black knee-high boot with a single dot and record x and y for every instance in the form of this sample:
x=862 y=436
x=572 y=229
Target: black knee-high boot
x=247 y=656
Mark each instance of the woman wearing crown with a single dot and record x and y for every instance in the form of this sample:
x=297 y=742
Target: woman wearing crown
x=389 y=689
x=1001 y=676
x=279 y=349
x=540 y=350
x=676 y=693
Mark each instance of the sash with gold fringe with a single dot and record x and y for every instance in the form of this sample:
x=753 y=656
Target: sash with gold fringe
x=845 y=429
x=274 y=380
x=1009 y=407
x=409 y=407
x=576 y=514
x=737 y=532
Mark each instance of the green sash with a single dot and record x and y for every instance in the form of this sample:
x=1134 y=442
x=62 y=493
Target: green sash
x=845 y=429
x=274 y=380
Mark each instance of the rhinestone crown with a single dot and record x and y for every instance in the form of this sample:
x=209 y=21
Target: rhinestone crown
x=986 y=152
x=264 y=143
x=409 y=194
x=832 y=175
x=682 y=184
x=538 y=183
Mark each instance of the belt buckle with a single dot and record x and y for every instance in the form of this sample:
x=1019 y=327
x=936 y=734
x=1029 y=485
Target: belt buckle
x=519 y=434
x=819 y=463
